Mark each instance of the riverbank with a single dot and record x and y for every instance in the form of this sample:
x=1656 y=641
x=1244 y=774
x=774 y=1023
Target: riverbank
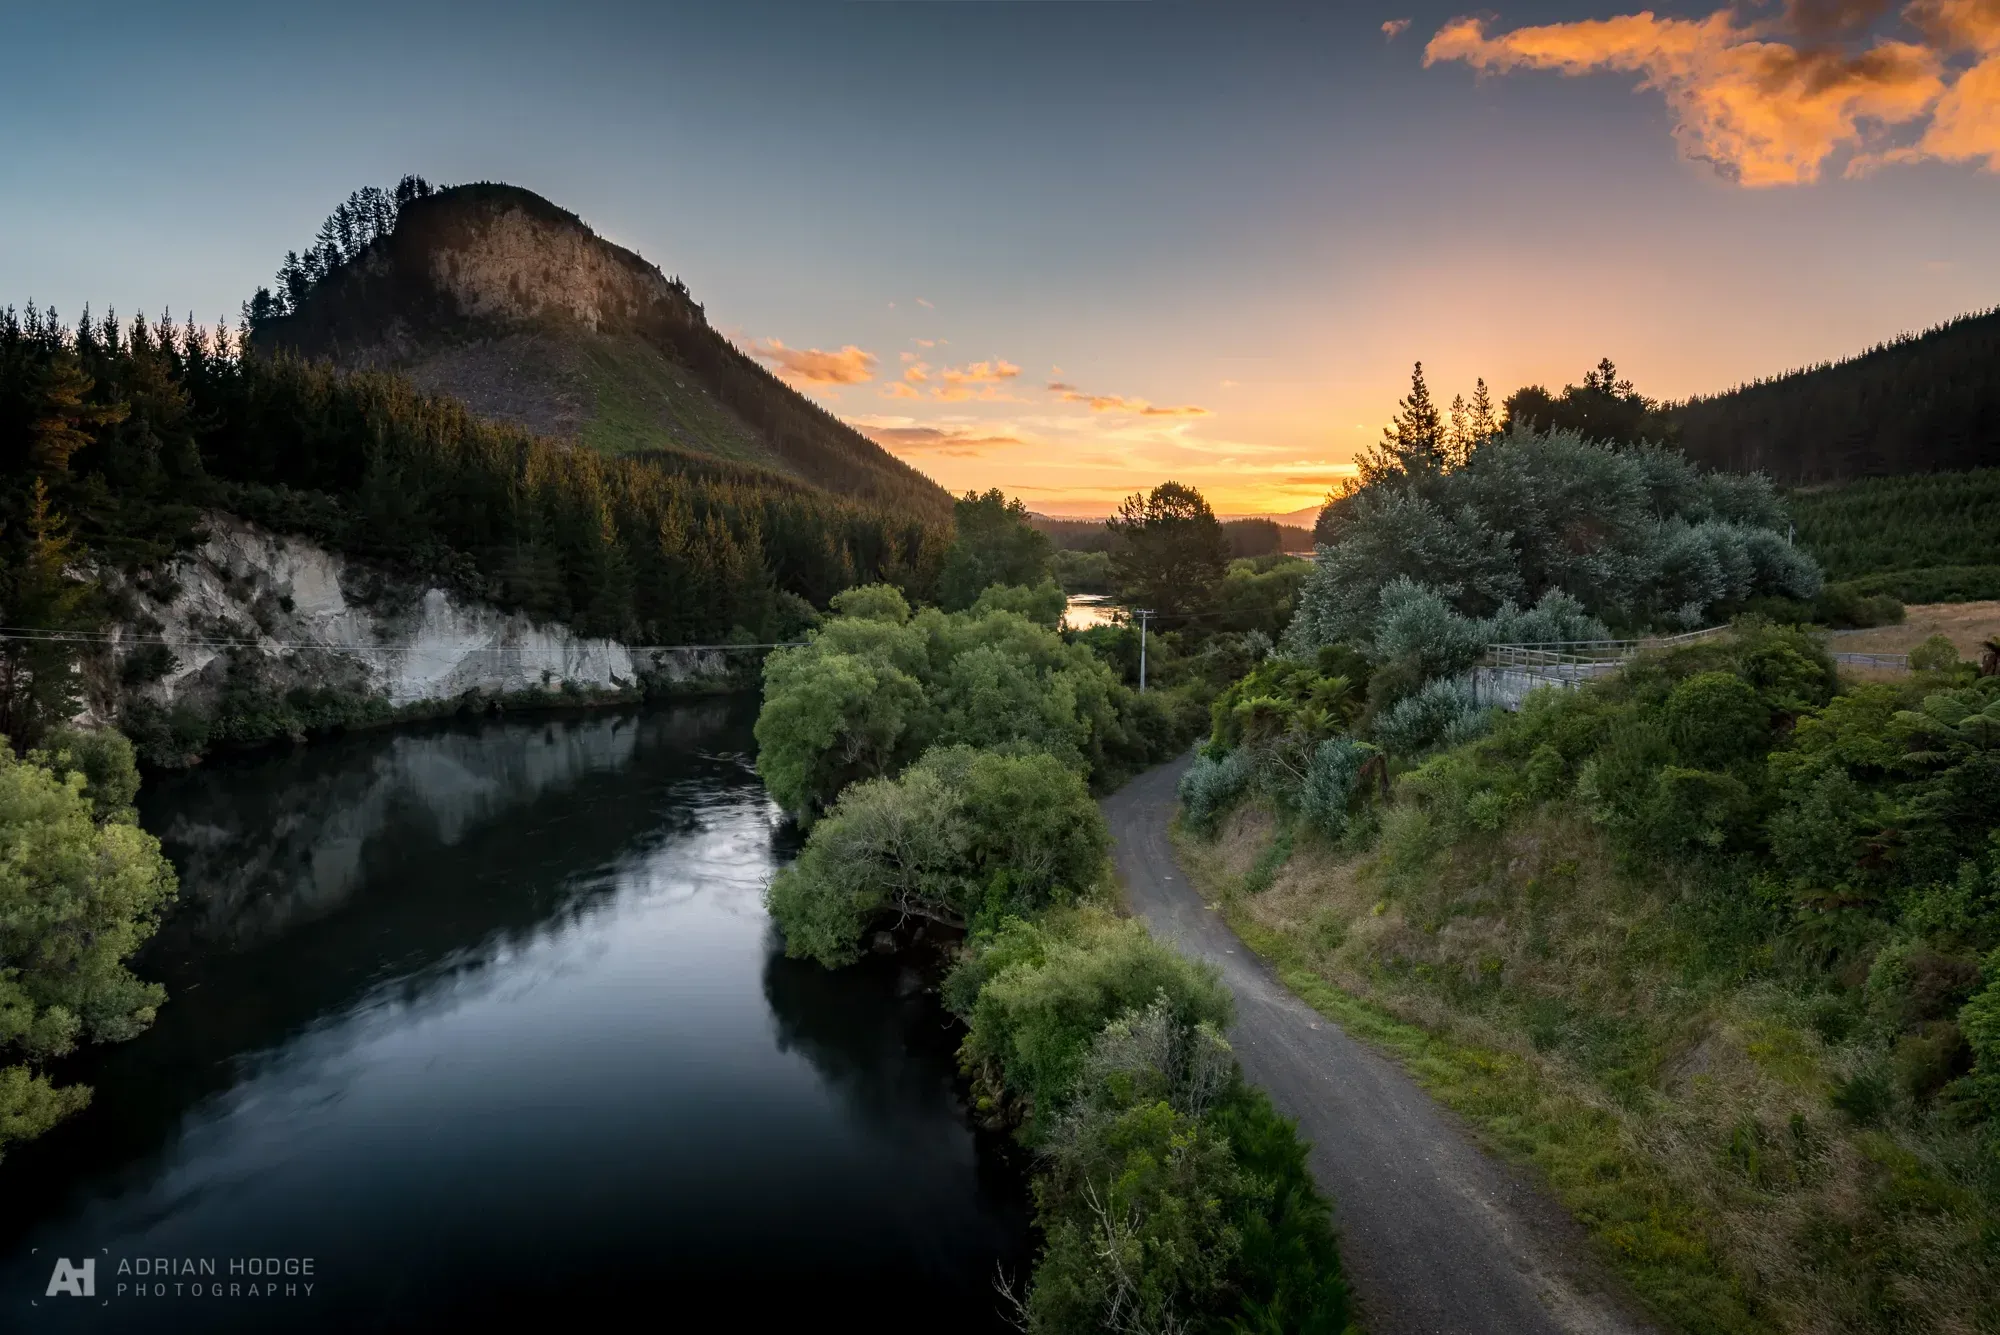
x=256 y=636
x=485 y=1016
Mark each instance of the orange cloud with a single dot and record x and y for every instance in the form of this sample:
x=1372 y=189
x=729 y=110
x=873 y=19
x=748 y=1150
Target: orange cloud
x=1109 y=403
x=1395 y=28
x=849 y=366
x=1762 y=112
x=956 y=384
x=959 y=442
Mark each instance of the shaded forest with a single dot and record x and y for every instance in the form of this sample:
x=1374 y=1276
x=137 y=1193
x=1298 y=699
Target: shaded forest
x=128 y=431
x=1923 y=404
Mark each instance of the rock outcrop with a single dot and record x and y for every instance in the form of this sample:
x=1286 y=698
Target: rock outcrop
x=257 y=613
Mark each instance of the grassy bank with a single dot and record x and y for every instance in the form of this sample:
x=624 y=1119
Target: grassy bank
x=1763 y=1129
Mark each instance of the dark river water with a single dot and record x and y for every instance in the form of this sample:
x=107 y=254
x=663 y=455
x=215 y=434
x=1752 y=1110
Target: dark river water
x=487 y=1022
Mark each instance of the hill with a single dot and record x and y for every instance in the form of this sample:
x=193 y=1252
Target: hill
x=1921 y=404
x=492 y=295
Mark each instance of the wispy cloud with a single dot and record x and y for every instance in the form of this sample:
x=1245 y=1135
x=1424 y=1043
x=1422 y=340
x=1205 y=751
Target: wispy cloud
x=1772 y=102
x=847 y=366
x=1118 y=403
x=1395 y=28
x=955 y=384
x=958 y=441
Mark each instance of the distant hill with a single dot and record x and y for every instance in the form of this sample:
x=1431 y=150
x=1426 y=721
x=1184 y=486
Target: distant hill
x=497 y=297
x=1927 y=403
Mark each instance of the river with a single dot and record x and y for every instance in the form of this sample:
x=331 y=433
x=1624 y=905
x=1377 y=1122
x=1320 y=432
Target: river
x=487 y=1021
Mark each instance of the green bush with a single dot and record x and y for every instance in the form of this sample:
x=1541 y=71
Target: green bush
x=964 y=837
x=107 y=762
x=876 y=686
x=1212 y=785
x=1035 y=997
x=1443 y=712
x=1330 y=783
x=81 y=888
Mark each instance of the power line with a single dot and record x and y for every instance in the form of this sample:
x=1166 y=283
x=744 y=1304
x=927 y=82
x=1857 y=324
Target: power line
x=114 y=639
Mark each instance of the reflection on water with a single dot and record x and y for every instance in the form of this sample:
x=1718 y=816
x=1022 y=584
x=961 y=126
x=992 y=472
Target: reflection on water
x=489 y=1020
x=1085 y=610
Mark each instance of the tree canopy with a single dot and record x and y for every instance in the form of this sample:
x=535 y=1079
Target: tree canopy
x=1169 y=554
x=993 y=542
x=81 y=888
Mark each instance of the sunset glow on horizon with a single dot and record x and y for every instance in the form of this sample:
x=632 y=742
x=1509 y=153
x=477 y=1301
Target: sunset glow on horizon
x=1128 y=243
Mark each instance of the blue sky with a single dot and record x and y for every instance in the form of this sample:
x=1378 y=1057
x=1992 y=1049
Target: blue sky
x=1265 y=212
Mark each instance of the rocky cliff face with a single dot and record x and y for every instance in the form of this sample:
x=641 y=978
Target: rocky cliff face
x=507 y=264
x=257 y=616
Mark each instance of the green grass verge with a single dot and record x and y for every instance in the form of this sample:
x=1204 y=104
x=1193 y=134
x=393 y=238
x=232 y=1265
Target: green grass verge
x=1651 y=1236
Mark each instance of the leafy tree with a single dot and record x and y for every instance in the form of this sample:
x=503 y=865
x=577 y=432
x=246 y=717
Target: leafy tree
x=1603 y=408
x=80 y=890
x=1044 y=604
x=868 y=693
x=993 y=543
x=1035 y=997
x=1634 y=536
x=963 y=836
x=1171 y=553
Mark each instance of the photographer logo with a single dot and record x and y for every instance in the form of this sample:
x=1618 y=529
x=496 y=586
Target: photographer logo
x=78 y=1281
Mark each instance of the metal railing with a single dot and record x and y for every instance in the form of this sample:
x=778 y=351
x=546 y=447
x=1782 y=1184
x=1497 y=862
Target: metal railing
x=1598 y=655
x=1892 y=662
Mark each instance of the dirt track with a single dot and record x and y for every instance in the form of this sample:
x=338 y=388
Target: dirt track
x=1437 y=1236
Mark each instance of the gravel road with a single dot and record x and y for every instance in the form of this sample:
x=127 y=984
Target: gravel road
x=1437 y=1236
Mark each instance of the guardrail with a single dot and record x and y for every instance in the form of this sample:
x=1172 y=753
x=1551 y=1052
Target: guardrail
x=1509 y=671
x=1585 y=653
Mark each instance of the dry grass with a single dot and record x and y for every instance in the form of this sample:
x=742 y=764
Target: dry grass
x=1582 y=1020
x=1967 y=625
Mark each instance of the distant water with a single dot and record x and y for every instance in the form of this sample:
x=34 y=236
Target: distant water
x=488 y=1022
x=1085 y=610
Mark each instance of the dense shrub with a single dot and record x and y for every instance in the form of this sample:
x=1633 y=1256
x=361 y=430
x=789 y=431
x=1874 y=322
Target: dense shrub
x=81 y=888
x=1212 y=785
x=1635 y=536
x=1036 y=996
x=876 y=686
x=1443 y=712
x=1331 y=781
x=964 y=837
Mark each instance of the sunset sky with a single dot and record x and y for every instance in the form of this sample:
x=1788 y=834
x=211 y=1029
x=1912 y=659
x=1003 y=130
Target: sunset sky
x=1072 y=250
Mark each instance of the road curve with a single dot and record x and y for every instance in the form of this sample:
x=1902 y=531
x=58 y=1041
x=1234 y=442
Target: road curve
x=1437 y=1237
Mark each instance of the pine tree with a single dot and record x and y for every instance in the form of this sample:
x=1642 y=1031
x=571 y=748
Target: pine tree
x=1415 y=441
x=63 y=416
x=1484 y=423
x=1458 y=435
x=42 y=602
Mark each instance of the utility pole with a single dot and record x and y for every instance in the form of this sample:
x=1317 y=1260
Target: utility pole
x=1143 y=614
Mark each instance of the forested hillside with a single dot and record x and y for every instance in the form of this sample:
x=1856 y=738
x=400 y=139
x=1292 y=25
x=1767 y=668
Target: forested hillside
x=117 y=436
x=1928 y=403
x=1925 y=539
x=493 y=295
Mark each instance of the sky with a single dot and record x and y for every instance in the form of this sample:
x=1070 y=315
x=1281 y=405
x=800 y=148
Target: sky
x=1072 y=250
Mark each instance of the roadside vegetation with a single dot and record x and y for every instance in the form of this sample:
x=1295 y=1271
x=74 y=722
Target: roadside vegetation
x=1713 y=942
x=945 y=761
x=81 y=889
